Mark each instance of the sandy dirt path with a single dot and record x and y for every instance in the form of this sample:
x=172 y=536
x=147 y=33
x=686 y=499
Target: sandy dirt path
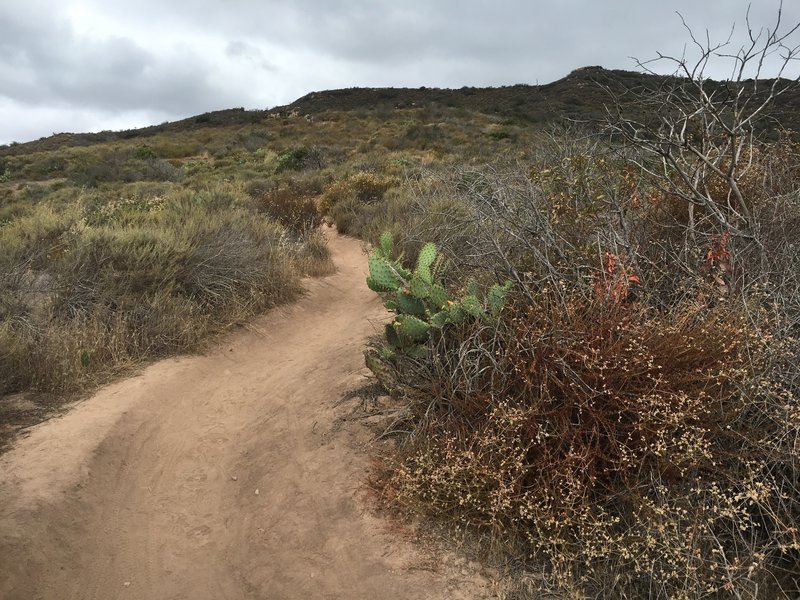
x=220 y=476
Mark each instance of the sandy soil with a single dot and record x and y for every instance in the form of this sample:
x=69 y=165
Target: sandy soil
x=222 y=476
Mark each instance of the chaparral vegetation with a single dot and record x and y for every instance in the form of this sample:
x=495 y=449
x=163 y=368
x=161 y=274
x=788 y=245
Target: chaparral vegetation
x=594 y=347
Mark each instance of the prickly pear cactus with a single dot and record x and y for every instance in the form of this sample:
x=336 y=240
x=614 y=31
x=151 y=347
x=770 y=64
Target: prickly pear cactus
x=382 y=278
x=496 y=298
x=425 y=260
x=382 y=371
x=422 y=303
x=411 y=328
x=456 y=313
x=440 y=319
x=471 y=289
x=418 y=287
x=386 y=244
x=391 y=336
x=472 y=306
x=438 y=295
x=407 y=303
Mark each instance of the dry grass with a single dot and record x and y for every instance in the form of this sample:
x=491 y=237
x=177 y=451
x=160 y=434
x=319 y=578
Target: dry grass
x=94 y=287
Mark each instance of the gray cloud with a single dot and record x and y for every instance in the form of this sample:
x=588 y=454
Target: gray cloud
x=45 y=62
x=118 y=62
x=250 y=53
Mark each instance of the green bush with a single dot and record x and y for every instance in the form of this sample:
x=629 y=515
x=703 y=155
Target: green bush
x=299 y=159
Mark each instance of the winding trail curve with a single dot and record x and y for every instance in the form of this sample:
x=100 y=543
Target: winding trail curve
x=219 y=476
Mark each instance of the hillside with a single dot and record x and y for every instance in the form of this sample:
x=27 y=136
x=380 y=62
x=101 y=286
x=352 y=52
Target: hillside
x=582 y=95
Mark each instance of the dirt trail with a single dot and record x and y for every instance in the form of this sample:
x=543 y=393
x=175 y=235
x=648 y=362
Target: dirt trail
x=216 y=477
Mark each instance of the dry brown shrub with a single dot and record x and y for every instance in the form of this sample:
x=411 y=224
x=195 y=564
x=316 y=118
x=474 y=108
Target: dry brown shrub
x=362 y=187
x=313 y=257
x=636 y=453
x=296 y=211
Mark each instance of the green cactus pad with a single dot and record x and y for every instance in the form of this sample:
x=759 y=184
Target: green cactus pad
x=412 y=328
x=440 y=319
x=426 y=255
x=402 y=271
x=383 y=373
x=376 y=287
x=418 y=288
x=471 y=289
x=497 y=297
x=408 y=304
x=386 y=244
x=437 y=267
x=424 y=261
x=381 y=274
x=472 y=306
x=455 y=314
x=438 y=295
x=391 y=337
x=418 y=351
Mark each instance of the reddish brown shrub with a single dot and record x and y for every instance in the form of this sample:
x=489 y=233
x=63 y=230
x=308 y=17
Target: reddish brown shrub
x=298 y=212
x=636 y=452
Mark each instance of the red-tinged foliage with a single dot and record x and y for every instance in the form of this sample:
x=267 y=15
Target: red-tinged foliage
x=615 y=281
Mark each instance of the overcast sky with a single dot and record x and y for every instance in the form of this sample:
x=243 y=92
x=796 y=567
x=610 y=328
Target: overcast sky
x=89 y=65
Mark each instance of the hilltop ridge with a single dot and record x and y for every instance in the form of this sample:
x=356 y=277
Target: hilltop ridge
x=581 y=95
